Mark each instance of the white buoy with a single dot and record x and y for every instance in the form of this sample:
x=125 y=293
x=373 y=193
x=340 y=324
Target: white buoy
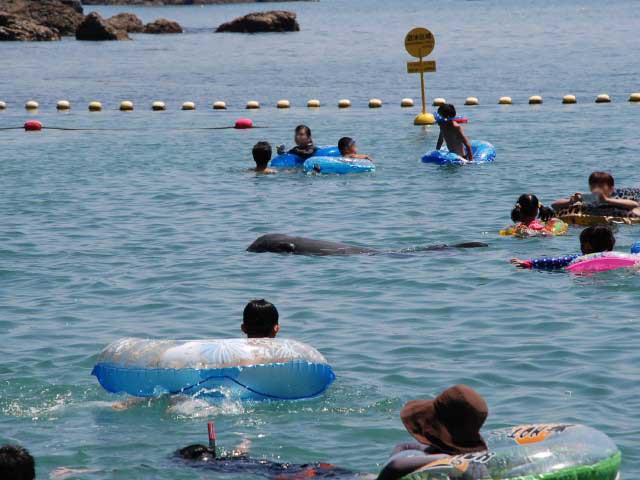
x=313 y=103
x=158 y=106
x=505 y=101
x=471 y=101
x=31 y=105
x=95 y=107
x=188 y=106
x=63 y=105
x=634 y=97
x=406 y=102
x=535 y=100
x=375 y=103
x=438 y=102
x=219 y=106
x=603 y=98
x=569 y=100
x=126 y=106
x=283 y=104
x=253 y=104
x=344 y=103
x=3 y=105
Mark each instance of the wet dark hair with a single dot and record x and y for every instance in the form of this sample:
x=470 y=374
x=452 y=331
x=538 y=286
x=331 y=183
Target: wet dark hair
x=16 y=463
x=599 y=238
x=196 y=452
x=447 y=110
x=259 y=318
x=344 y=143
x=528 y=206
x=261 y=153
x=305 y=129
x=599 y=178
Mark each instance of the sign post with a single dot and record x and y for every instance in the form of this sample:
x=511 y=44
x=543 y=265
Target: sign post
x=420 y=42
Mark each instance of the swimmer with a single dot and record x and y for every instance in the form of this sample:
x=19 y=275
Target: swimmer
x=260 y=319
x=526 y=212
x=16 y=463
x=304 y=143
x=596 y=239
x=261 y=155
x=601 y=185
x=348 y=149
x=446 y=426
x=451 y=132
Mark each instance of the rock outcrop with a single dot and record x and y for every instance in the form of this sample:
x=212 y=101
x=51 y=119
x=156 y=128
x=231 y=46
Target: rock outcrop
x=61 y=16
x=272 y=21
x=21 y=29
x=162 y=25
x=127 y=22
x=173 y=2
x=96 y=28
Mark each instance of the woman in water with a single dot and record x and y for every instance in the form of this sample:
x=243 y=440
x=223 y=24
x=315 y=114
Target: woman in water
x=526 y=213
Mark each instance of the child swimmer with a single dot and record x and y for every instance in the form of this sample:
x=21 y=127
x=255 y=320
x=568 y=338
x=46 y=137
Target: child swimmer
x=526 y=212
x=452 y=134
x=348 y=149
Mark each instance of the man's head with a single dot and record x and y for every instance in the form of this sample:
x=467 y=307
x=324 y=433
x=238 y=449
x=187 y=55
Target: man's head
x=447 y=111
x=261 y=154
x=347 y=146
x=601 y=181
x=596 y=239
x=260 y=319
x=16 y=463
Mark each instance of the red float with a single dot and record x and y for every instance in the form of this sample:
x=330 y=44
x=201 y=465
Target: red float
x=33 y=126
x=243 y=123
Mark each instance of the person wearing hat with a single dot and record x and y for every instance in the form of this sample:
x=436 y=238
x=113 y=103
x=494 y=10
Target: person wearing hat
x=446 y=426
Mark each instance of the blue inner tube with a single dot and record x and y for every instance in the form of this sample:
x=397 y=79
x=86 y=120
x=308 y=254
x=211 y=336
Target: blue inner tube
x=339 y=166
x=289 y=160
x=483 y=152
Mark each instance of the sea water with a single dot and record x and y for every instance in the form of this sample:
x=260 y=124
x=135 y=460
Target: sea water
x=139 y=227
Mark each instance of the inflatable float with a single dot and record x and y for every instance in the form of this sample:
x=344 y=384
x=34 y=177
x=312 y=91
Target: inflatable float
x=604 y=261
x=290 y=160
x=483 y=152
x=337 y=165
x=553 y=227
x=255 y=369
x=532 y=452
x=587 y=215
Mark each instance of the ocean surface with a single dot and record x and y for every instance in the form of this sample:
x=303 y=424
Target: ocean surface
x=139 y=228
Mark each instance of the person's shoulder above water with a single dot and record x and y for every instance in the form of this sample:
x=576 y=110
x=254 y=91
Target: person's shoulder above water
x=262 y=155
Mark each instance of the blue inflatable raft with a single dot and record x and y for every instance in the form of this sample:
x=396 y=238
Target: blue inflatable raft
x=289 y=160
x=340 y=166
x=256 y=369
x=483 y=152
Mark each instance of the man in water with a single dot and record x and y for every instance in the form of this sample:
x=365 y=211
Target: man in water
x=16 y=463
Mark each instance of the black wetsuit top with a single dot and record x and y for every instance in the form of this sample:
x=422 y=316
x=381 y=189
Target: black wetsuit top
x=304 y=152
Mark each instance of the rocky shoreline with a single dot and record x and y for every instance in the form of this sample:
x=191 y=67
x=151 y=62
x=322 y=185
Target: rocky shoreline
x=178 y=2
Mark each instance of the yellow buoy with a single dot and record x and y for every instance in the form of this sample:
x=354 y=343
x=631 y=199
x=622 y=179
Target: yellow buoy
x=535 y=100
x=31 y=105
x=188 y=106
x=63 y=105
x=252 y=104
x=158 y=106
x=95 y=106
x=313 y=103
x=344 y=103
x=375 y=103
x=3 y=105
x=219 y=106
x=569 y=99
x=438 y=102
x=471 y=101
x=406 y=102
x=634 y=97
x=603 y=98
x=424 y=119
x=283 y=104
x=126 y=106
x=505 y=101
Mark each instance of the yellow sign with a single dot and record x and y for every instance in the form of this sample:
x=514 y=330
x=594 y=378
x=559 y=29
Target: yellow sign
x=419 y=42
x=421 y=67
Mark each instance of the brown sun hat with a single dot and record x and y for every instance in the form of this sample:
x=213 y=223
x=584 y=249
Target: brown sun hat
x=450 y=422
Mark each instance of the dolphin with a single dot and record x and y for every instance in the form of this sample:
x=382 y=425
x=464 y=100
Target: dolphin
x=281 y=243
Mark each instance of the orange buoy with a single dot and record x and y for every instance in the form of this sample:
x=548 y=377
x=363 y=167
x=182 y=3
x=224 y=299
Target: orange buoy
x=243 y=123
x=33 y=126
